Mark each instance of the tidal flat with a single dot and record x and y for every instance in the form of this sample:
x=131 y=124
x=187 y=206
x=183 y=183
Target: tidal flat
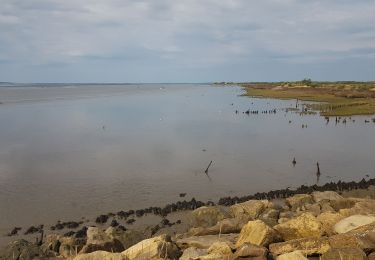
x=74 y=152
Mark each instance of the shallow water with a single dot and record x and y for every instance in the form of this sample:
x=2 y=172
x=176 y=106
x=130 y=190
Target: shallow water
x=73 y=151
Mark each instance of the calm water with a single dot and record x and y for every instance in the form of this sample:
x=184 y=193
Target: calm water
x=73 y=151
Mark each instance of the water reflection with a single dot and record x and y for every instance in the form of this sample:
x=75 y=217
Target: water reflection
x=108 y=148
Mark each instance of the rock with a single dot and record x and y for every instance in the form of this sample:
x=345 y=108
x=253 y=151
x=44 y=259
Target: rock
x=363 y=207
x=303 y=226
x=326 y=207
x=270 y=217
x=153 y=248
x=307 y=246
x=299 y=200
x=20 y=249
x=344 y=241
x=352 y=222
x=128 y=238
x=314 y=209
x=342 y=204
x=70 y=246
x=100 y=255
x=257 y=233
x=296 y=255
x=249 y=210
x=98 y=240
x=220 y=248
x=225 y=226
x=282 y=220
x=193 y=253
x=113 y=245
x=250 y=250
x=204 y=242
x=371 y=256
x=345 y=254
x=325 y=195
x=328 y=221
x=96 y=235
x=208 y=216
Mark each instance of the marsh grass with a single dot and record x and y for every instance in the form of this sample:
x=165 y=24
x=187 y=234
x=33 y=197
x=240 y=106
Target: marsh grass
x=336 y=98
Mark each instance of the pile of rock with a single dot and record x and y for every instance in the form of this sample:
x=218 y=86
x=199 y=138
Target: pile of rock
x=321 y=225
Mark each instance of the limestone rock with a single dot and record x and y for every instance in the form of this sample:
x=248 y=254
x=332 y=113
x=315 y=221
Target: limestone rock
x=303 y=226
x=101 y=255
x=70 y=246
x=208 y=216
x=98 y=240
x=225 y=226
x=296 y=255
x=371 y=256
x=352 y=222
x=299 y=200
x=342 y=204
x=113 y=245
x=257 y=233
x=314 y=209
x=20 y=249
x=325 y=195
x=345 y=254
x=250 y=250
x=193 y=253
x=204 y=242
x=220 y=248
x=127 y=238
x=153 y=248
x=249 y=210
x=307 y=246
x=328 y=220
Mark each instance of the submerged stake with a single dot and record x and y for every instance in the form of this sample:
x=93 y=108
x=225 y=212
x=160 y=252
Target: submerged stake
x=206 y=171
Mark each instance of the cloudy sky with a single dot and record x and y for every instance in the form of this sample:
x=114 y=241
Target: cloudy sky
x=186 y=40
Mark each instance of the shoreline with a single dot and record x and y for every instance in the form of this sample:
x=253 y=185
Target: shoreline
x=174 y=218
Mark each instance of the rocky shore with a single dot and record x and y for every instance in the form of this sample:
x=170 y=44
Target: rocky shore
x=316 y=222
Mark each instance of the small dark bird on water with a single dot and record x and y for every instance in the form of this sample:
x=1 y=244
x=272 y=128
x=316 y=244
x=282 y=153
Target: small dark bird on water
x=182 y=195
x=294 y=162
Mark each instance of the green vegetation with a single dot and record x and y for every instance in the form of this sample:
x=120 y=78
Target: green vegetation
x=343 y=98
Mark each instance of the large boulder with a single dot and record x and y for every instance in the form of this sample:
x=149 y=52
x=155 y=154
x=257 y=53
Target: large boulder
x=344 y=254
x=258 y=233
x=20 y=249
x=225 y=226
x=98 y=240
x=127 y=238
x=325 y=195
x=299 y=200
x=329 y=220
x=353 y=222
x=204 y=242
x=70 y=246
x=193 y=253
x=296 y=255
x=250 y=250
x=208 y=216
x=306 y=225
x=101 y=255
x=220 y=248
x=344 y=203
x=160 y=247
x=307 y=246
x=249 y=210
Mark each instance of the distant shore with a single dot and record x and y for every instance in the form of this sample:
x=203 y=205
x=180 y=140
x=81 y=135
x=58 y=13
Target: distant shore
x=346 y=98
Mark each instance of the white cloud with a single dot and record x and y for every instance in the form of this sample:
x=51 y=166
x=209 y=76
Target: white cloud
x=195 y=33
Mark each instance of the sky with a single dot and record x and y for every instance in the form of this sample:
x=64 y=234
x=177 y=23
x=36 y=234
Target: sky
x=186 y=40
